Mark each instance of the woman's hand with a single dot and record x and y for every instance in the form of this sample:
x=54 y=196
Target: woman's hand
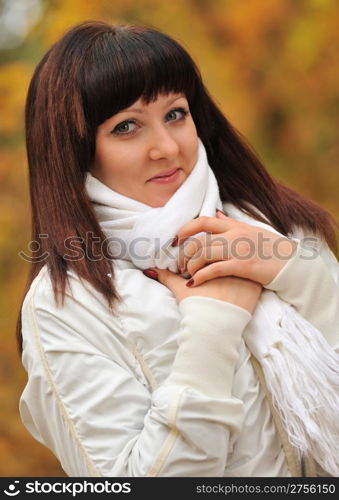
x=238 y=291
x=231 y=248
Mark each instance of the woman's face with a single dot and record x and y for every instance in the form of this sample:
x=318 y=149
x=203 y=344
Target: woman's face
x=144 y=141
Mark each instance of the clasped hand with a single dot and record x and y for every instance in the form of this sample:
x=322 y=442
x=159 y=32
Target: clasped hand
x=231 y=248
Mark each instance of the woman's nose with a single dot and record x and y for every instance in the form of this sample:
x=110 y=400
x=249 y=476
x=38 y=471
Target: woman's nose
x=163 y=145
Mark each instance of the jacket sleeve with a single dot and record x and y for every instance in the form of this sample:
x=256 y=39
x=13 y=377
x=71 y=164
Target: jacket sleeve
x=310 y=282
x=89 y=408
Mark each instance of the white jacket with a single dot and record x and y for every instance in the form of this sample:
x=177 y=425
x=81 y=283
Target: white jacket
x=158 y=389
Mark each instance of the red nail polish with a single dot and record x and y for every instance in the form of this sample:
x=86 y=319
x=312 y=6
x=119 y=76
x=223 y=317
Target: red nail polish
x=175 y=241
x=150 y=273
x=190 y=283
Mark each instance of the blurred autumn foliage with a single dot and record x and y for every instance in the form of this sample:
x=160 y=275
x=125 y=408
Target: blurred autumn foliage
x=272 y=66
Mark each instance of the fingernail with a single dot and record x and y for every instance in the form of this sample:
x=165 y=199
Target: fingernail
x=151 y=273
x=182 y=269
x=190 y=283
x=175 y=241
x=221 y=211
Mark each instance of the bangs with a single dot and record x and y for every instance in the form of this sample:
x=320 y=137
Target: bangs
x=130 y=62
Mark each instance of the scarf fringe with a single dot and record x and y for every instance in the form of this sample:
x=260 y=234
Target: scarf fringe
x=302 y=374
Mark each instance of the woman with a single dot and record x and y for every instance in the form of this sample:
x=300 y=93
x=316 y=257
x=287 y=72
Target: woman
x=233 y=374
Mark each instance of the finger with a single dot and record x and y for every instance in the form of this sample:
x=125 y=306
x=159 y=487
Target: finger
x=206 y=256
x=190 y=248
x=199 y=245
x=204 y=224
x=164 y=276
x=221 y=215
x=218 y=270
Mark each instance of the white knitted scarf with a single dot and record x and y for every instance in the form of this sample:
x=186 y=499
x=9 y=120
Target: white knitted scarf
x=301 y=369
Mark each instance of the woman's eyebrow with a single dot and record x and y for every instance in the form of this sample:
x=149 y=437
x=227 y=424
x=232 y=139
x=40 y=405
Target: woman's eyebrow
x=141 y=110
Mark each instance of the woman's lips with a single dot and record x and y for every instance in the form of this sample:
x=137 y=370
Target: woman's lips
x=170 y=176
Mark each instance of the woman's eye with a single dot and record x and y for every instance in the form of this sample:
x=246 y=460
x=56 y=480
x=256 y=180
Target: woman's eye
x=124 y=128
x=128 y=127
x=177 y=113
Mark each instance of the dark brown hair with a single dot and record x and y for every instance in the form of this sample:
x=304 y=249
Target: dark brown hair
x=93 y=72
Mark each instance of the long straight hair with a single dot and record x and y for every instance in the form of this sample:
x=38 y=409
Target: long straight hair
x=94 y=71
